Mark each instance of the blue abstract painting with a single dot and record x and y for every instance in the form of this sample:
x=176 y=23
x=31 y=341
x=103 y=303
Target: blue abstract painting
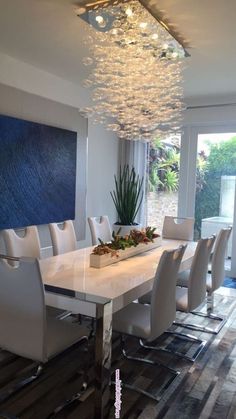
x=37 y=173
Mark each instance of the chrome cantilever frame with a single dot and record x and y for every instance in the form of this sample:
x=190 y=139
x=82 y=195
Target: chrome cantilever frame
x=174 y=373
x=74 y=399
x=19 y=385
x=186 y=337
x=209 y=315
x=16 y=259
x=5 y=395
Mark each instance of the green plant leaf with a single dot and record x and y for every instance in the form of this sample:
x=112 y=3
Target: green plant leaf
x=127 y=195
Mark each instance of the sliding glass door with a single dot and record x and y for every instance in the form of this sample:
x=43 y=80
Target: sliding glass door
x=208 y=183
x=215 y=186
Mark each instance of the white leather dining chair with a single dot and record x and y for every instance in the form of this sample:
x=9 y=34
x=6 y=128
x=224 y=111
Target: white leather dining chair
x=178 y=228
x=63 y=239
x=215 y=279
x=189 y=298
x=25 y=328
x=100 y=229
x=26 y=245
x=147 y=322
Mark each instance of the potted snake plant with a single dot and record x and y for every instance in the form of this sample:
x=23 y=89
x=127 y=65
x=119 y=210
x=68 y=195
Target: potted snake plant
x=127 y=197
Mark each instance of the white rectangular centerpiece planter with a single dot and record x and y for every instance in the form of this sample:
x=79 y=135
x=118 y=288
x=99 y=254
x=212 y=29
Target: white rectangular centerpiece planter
x=99 y=261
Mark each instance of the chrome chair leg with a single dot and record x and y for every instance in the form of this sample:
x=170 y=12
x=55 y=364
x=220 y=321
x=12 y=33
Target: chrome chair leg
x=139 y=390
x=174 y=373
x=64 y=315
x=182 y=336
x=206 y=329
x=209 y=315
x=19 y=385
x=74 y=399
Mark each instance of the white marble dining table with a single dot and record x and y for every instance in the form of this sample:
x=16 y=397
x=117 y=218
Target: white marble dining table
x=71 y=284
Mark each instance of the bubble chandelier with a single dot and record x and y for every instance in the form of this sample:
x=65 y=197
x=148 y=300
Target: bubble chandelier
x=136 y=70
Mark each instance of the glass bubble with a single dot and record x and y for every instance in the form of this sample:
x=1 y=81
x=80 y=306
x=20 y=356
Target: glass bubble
x=87 y=61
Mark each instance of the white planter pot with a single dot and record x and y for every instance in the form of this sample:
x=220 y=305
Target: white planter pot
x=124 y=229
x=100 y=261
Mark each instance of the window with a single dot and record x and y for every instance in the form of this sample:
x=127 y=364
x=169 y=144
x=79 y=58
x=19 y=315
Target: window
x=163 y=180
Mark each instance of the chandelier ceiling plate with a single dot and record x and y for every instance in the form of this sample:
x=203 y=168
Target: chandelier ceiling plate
x=136 y=68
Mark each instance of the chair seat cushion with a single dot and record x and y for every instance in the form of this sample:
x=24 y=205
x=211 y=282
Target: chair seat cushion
x=182 y=279
x=134 y=320
x=182 y=299
x=61 y=334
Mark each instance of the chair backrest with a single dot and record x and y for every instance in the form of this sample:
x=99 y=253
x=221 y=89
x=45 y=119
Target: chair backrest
x=28 y=245
x=178 y=228
x=218 y=258
x=63 y=239
x=163 y=303
x=100 y=229
x=198 y=273
x=22 y=309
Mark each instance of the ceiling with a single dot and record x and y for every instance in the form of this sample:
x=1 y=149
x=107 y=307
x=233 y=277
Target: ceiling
x=47 y=34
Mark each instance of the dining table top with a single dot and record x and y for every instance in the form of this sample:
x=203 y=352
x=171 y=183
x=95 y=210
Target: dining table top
x=120 y=282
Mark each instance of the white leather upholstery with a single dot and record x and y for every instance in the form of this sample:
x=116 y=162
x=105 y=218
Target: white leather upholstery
x=216 y=278
x=183 y=277
x=178 y=228
x=134 y=320
x=100 y=229
x=188 y=299
x=28 y=245
x=151 y=321
x=182 y=298
x=24 y=327
x=63 y=239
x=218 y=260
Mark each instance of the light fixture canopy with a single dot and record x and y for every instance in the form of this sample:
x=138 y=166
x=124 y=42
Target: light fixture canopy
x=84 y=6
x=136 y=68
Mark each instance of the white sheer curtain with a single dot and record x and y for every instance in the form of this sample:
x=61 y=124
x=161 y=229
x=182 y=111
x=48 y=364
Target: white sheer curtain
x=134 y=153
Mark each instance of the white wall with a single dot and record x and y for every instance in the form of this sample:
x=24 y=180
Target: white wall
x=219 y=110
x=102 y=165
x=102 y=157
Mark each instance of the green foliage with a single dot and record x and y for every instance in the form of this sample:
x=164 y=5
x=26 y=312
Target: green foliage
x=134 y=238
x=171 y=180
x=163 y=166
x=154 y=180
x=222 y=157
x=150 y=233
x=128 y=195
x=171 y=160
x=221 y=161
x=157 y=143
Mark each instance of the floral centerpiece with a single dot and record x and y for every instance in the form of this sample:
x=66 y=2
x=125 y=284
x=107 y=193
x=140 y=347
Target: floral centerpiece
x=122 y=247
